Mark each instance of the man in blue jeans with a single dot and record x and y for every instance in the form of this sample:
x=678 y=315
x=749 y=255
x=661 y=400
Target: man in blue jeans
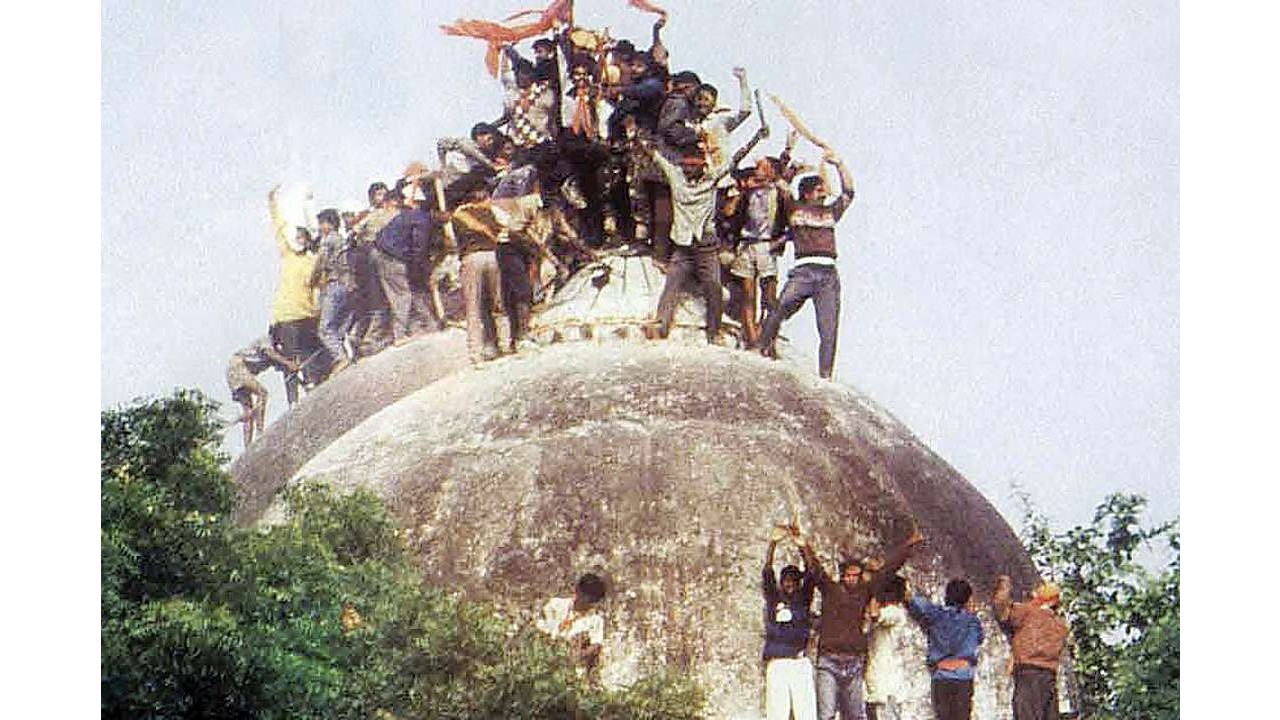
x=842 y=642
x=813 y=230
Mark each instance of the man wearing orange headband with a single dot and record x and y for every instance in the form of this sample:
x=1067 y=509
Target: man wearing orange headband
x=1039 y=634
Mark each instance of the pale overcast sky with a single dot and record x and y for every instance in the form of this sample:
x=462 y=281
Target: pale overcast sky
x=1010 y=267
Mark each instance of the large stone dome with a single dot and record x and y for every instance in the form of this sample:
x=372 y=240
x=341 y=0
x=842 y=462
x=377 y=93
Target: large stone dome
x=659 y=464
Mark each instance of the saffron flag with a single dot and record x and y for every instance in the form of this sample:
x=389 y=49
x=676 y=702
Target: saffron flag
x=646 y=6
x=497 y=34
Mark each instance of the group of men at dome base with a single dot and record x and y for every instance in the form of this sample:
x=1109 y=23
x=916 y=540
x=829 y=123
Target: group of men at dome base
x=600 y=149
x=859 y=642
x=848 y=661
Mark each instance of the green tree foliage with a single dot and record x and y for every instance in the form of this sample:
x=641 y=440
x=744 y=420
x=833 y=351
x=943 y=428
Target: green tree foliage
x=1124 y=618
x=320 y=616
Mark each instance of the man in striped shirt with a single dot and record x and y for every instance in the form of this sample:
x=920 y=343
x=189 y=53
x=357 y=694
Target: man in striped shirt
x=814 y=277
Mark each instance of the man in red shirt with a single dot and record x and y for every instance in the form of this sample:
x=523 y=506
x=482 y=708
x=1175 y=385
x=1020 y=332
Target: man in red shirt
x=842 y=641
x=1039 y=635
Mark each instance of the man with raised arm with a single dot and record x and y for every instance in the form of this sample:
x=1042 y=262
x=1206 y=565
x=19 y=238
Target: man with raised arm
x=295 y=316
x=714 y=127
x=676 y=136
x=467 y=157
x=693 y=233
x=814 y=277
x=842 y=641
x=788 y=673
x=1039 y=635
x=531 y=106
x=953 y=634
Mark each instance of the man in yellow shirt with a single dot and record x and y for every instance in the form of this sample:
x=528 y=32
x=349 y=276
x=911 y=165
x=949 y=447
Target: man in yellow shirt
x=295 y=316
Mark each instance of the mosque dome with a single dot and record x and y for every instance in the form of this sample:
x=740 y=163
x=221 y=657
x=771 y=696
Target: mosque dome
x=659 y=464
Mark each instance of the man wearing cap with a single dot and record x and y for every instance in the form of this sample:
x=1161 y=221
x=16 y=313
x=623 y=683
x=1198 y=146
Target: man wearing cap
x=1039 y=635
x=842 y=639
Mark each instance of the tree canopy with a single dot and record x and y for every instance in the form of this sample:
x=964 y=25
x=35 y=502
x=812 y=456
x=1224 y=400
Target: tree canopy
x=323 y=615
x=1124 y=617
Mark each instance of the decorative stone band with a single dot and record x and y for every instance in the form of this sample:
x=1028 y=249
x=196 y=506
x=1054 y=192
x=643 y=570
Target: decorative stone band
x=616 y=299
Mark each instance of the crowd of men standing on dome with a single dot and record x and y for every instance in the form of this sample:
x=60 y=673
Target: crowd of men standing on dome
x=599 y=148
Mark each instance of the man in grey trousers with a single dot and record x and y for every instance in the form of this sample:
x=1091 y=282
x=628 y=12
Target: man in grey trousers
x=813 y=230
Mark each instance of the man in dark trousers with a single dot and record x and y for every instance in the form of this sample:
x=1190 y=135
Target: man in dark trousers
x=1039 y=635
x=842 y=641
x=953 y=634
x=693 y=233
x=399 y=246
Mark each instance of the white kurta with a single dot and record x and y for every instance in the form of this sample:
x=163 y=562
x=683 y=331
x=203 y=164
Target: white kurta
x=560 y=621
x=885 y=674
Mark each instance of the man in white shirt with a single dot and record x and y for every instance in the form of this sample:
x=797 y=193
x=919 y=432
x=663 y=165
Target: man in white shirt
x=578 y=620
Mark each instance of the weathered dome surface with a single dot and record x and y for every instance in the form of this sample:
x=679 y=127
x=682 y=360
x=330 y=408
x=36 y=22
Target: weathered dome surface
x=662 y=466
x=334 y=407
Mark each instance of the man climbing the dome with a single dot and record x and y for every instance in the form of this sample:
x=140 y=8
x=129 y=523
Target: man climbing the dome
x=1038 y=637
x=953 y=634
x=242 y=371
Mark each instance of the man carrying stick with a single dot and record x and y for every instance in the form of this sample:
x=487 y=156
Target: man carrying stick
x=815 y=275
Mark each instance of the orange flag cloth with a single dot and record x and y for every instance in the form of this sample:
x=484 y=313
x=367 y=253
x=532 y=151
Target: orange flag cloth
x=498 y=34
x=646 y=6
